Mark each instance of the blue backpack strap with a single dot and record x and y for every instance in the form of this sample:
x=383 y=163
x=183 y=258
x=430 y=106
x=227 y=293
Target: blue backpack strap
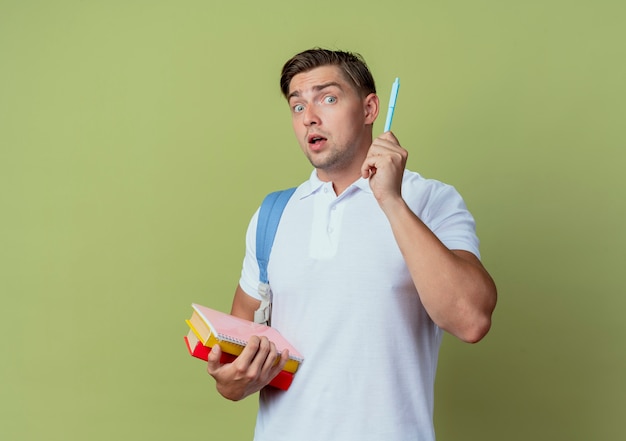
x=269 y=217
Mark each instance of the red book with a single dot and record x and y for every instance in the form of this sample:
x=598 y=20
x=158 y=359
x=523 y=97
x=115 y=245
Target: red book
x=197 y=349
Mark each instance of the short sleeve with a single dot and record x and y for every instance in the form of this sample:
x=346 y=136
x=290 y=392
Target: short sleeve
x=443 y=210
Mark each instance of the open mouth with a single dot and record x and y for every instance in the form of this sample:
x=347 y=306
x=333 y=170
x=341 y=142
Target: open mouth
x=316 y=139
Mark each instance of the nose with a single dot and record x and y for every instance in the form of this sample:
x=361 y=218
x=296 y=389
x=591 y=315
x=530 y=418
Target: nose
x=310 y=116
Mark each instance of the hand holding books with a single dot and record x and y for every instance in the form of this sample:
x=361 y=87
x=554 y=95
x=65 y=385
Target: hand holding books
x=257 y=366
x=267 y=353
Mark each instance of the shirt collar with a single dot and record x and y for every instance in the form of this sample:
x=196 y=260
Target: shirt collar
x=314 y=184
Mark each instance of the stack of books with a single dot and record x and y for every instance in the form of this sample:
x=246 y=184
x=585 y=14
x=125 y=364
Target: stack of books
x=208 y=327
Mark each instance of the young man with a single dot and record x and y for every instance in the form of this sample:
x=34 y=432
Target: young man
x=371 y=263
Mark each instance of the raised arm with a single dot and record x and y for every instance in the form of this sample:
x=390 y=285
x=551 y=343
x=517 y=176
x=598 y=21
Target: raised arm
x=454 y=287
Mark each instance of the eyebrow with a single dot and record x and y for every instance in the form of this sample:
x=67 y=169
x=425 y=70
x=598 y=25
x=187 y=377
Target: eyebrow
x=316 y=88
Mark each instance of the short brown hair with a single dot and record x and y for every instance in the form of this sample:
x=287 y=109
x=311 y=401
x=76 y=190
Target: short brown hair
x=352 y=64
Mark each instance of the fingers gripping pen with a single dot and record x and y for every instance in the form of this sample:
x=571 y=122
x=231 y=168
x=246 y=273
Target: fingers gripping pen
x=392 y=103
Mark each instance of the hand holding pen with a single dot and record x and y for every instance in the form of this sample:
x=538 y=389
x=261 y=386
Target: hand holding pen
x=386 y=158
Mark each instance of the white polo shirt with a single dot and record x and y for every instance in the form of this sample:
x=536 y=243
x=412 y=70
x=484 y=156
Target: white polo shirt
x=344 y=297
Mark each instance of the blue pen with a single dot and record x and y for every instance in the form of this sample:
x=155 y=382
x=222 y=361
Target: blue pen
x=392 y=103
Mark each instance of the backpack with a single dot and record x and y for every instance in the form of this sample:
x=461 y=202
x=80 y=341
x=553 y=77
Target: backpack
x=269 y=217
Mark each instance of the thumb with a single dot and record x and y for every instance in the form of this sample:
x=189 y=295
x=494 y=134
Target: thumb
x=214 y=356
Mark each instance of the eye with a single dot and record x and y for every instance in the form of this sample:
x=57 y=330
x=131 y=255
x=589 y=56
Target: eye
x=298 y=108
x=330 y=99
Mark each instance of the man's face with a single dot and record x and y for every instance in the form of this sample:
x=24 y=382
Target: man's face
x=332 y=122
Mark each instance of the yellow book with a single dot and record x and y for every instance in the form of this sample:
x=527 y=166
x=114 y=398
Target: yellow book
x=232 y=333
x=209 y=339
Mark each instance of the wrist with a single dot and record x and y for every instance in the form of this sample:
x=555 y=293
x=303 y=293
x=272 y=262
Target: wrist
x=392 y=204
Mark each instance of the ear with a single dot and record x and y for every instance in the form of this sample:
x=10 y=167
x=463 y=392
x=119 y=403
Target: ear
x=371 y=106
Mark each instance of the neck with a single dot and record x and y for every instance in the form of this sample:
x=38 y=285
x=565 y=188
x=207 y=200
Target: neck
x=344 y=177
x=345 y=173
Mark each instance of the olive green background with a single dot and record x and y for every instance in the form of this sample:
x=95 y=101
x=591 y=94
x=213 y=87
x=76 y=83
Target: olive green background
x=138 y=137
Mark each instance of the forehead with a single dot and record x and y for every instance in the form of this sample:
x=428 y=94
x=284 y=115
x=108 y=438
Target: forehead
x=318 y=76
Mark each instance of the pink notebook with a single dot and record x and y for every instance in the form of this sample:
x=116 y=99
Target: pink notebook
x=227 y=328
